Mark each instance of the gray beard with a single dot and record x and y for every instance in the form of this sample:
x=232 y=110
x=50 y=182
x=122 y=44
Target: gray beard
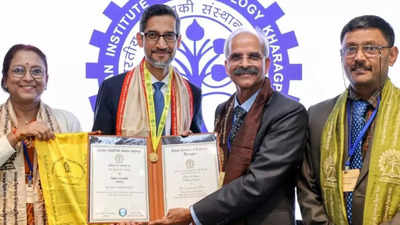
x=160 y=65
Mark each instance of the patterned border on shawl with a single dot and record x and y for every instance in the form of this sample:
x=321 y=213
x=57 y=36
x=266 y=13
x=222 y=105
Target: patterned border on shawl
x=122 y=101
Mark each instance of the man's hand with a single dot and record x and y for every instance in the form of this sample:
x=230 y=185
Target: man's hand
x=178 y=216
x=96 y=132
x=186 y=133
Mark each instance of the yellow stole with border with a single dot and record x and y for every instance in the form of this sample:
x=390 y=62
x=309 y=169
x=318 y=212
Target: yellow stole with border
x=383 y=188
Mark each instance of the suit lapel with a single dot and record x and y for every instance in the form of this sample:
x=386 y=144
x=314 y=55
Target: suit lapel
x=365 y=168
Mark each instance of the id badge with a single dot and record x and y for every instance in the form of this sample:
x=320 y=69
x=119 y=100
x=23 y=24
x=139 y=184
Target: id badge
x=350 y=178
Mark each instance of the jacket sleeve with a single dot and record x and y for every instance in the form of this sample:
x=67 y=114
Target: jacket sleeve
x=309 y=194
x=197 y=120
x=68 y=122
x=6 y=150
x=273 y=162
x=308 y=186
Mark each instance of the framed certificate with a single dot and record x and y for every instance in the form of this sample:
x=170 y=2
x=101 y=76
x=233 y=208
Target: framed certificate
x=190 y=169
x=130 y=181
x=118 y=179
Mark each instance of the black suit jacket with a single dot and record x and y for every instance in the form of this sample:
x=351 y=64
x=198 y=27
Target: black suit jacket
x=265 y=194
x=108 y=99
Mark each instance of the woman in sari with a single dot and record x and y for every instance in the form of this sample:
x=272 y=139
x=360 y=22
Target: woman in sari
x=24 y=117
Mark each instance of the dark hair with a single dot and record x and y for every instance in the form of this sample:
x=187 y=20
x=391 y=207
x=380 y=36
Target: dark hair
x=10 y=55
x=370 y=21
x=158 y=10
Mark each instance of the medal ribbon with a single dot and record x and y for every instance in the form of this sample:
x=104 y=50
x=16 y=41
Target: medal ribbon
x=156 y=133
x=28 y=160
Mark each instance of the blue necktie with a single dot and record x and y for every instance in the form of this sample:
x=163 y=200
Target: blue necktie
x=238 y=117
x=357 y=123
x=158 y=101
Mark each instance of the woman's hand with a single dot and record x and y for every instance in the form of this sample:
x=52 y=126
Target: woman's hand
x=36 y=129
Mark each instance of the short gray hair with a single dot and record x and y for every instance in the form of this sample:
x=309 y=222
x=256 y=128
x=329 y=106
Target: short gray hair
x=256 y=31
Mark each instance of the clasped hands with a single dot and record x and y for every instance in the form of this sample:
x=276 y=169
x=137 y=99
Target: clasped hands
x=36 y=129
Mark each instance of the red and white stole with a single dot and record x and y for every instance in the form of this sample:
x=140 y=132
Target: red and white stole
x=133 y=108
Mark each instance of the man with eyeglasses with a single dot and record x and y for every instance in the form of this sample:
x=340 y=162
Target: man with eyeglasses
x=152 y=98
x=351 y=171
x=262 y=135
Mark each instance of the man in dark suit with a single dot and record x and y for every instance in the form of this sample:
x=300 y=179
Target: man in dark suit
x=262 y=136
x=153 y=97
x=351 y=172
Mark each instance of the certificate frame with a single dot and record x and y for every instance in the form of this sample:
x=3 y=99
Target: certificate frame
x=191 y=169
x=157 y=201
x=110 y=193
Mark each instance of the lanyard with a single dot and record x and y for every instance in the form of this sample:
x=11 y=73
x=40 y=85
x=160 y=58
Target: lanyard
x=156 y=133
x=360 y=135
x=28 y=160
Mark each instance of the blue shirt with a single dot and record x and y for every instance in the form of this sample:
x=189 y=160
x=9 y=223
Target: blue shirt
x=248 y=103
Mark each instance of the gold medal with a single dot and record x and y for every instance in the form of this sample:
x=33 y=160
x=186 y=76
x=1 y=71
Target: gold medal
x=153 y=157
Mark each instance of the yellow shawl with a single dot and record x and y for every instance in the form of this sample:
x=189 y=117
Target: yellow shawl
x=383 y=188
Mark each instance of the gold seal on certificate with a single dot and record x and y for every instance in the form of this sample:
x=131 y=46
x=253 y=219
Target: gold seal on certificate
x=153 y=157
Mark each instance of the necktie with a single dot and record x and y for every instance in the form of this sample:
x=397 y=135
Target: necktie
x=238 y=117
x=158 y=100
x=357 y=123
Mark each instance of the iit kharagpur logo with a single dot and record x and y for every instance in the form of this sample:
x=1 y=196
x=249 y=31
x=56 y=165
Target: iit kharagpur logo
x=205 y=25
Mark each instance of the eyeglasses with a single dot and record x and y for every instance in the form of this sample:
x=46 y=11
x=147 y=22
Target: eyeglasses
x=36 y=72
x=155 y=36
x=368 y=50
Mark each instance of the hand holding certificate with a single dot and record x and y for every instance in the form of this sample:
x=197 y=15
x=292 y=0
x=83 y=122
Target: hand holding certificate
x=124 y=184
x=190 y=169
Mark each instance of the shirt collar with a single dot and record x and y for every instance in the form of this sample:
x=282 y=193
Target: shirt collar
x=164 y=80
x=372 y=100
x=248 y=103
